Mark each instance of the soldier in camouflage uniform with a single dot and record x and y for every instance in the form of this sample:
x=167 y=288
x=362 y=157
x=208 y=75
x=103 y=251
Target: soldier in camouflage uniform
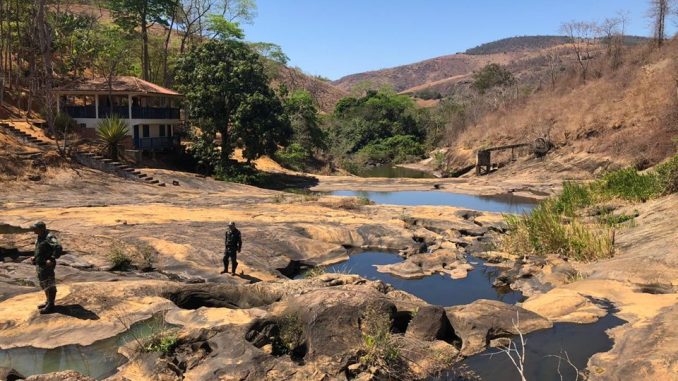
x=233 y=243
x=47 y=249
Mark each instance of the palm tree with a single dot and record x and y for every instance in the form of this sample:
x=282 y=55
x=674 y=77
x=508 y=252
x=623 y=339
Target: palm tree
x=112 y=131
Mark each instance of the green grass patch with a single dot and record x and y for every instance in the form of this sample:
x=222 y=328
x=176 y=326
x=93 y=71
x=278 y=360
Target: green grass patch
x=163 y=341
x=557 y=225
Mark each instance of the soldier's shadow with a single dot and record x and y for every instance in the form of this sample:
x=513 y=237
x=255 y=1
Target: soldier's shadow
x=76 y=310
x=248 y=277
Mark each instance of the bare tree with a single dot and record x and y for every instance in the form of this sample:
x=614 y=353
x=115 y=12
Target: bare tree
x=581 y=39
x=659 y=10
x=613 y=30
x=554 y=63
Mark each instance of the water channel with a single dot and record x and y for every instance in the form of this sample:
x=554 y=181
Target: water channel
x=576 y=342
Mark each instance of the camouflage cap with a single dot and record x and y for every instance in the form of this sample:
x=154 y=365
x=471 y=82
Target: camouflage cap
x=39 y=225
x=231 y=223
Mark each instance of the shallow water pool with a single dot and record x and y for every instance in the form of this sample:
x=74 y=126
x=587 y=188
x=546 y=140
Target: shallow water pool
x=498 y=204
x=435 y=289
x=98 y=360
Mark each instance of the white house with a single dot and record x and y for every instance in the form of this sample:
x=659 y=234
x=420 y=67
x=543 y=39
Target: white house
x=151 y=111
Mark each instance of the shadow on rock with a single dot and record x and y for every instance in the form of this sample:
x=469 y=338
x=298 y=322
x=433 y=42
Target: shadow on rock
x=77 y=311
x=281 y=181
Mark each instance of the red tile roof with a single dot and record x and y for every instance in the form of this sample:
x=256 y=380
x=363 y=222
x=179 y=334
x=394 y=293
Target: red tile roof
x=121 y=84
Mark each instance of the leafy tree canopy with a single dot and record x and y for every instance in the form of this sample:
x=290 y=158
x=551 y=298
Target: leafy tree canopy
x=378 y=115
x=226 y=90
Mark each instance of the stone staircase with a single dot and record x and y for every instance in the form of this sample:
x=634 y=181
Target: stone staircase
x=88 y=159
x=25 y=137
x=93 y=160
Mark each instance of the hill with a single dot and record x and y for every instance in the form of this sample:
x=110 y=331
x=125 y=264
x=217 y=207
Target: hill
x=622 y=117
x=405 y=77
x=524 y=55
x=323 y=92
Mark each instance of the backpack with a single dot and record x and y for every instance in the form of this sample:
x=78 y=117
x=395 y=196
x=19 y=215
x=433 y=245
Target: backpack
x=57 y=249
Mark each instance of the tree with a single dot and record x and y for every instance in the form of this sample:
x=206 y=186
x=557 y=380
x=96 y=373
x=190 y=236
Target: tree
x=581 y=39
x=226 y=91
x=111 y=57
x=260 y=125
x=492 y=75
x=142 y=14
x=659 y=10
x=612 y=30
x=303 y=116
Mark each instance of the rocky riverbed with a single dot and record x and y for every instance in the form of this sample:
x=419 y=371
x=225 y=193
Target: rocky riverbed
x=238 y=327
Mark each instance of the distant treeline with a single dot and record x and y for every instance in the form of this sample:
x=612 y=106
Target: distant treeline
x=519 y=43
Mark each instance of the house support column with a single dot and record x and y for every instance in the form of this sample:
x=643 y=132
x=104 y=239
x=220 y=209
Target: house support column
x=96 y=106
x=129 y=107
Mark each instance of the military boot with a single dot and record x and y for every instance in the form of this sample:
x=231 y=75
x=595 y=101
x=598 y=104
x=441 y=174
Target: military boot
x=49 y=307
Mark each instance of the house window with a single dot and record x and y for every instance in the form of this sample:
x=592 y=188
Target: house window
x=169 y=130
x=146 y=131
x=161 y=131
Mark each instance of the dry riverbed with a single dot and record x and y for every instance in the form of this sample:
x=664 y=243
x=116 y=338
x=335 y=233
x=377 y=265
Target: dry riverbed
x=231 y=325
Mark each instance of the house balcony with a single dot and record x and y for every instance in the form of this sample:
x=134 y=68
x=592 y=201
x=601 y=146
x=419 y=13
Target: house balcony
x=155 y=113
x=121 y=112
x=77 y=112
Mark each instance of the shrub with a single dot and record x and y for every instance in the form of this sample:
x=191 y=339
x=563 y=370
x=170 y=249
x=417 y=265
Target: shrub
x=314 y=272
x=147 y=257
x=379 y=346
x=294 y=157
x=291 y=334
x=239 y=173
x=119 y=259
x=112 y=131
x=667 y=176
x=492 y=75
x=163 y=341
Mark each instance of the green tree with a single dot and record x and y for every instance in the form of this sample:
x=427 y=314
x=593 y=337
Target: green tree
x=142 y=14
x=492 y=75
x=358 y=122
x=303 y=114
x=226 y=91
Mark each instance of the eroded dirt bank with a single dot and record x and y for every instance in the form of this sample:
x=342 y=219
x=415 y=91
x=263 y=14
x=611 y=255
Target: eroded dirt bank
x=228 y=325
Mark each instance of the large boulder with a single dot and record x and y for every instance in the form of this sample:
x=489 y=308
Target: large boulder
x=483 y=320
x=430 y=323
x=332 y=318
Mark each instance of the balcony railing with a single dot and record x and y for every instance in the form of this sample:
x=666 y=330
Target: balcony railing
x=80 y=111
x=155 y=113
x=119 y=111
x=162 y=143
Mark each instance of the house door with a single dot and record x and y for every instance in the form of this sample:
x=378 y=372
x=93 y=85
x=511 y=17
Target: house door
x=136 y=136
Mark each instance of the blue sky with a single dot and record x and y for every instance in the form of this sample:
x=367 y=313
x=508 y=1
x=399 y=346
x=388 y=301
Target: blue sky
x=334 y=38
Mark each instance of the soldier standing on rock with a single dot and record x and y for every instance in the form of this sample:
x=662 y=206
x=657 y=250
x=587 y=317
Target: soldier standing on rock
x=233 y=243
x=47 y=250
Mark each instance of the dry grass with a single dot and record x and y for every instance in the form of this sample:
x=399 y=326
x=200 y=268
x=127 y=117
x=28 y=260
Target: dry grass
x=628 y=115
